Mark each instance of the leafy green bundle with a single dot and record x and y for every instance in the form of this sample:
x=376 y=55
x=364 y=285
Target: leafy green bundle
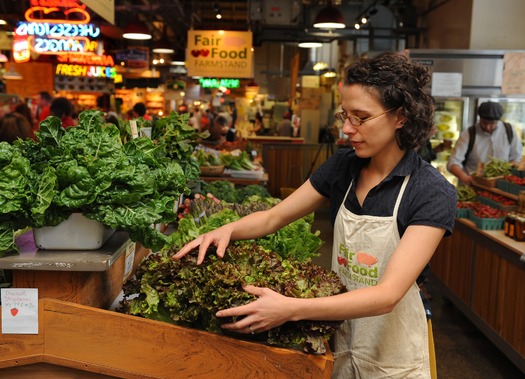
x=187 y=294
x=294 y=240
x=87 y=169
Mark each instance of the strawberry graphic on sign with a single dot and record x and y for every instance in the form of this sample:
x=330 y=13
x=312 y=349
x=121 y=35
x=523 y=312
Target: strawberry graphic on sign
x=14 y=311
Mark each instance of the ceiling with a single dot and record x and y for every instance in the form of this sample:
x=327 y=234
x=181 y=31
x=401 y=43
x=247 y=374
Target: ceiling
x=269 y=20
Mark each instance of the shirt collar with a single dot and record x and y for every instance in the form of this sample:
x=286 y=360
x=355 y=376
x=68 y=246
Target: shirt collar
x=405 y=167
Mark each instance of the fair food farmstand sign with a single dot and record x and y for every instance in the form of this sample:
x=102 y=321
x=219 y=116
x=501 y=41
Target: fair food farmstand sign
x=219 y=53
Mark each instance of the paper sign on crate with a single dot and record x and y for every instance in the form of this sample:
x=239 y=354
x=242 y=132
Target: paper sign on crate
x=19 y=310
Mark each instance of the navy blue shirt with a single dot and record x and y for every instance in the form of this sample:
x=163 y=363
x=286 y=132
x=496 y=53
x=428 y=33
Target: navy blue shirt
x=429 y=198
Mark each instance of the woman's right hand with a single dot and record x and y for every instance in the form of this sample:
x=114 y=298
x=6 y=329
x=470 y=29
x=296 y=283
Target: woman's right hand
x=219 y=237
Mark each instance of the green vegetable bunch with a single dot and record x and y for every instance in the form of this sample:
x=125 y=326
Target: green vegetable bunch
x=87 y=169
x=466 y=193
x=497 y=167
x=295 y=240
x=239 y=161
x=187 y=294
x=226 y=191
x=208 y=158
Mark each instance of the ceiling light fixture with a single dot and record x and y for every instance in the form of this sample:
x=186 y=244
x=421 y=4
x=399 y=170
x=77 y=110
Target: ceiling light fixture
x=12 y=74
x=162 y=46
x=309 y=45
x=136 y=30
x=217 y=10
x=179 y=59
x=329 y=18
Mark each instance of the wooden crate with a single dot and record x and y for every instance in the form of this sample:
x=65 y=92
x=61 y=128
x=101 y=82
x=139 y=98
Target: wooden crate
x=109 y=343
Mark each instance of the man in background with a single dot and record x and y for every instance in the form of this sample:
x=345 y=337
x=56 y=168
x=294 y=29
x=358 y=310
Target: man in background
x=43 y=103
x=489 y=138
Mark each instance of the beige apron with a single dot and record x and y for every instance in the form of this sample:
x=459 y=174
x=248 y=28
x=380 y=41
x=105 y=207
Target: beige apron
x=394 y=345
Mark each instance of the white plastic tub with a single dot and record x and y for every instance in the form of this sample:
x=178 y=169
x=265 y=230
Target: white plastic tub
x=76 y=233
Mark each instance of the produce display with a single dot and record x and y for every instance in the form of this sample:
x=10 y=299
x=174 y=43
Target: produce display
x=496 y=167
x=184 y=293
x=188 y=294
x=89 y=169
x=466 y=193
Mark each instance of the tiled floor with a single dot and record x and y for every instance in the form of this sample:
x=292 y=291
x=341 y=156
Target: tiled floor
x=462 y=351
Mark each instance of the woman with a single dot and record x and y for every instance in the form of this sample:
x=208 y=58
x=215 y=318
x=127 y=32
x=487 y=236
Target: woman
x=390 y=210
x=13 y=126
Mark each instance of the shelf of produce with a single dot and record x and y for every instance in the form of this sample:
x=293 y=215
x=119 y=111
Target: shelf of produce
x=89 y=277
x=109 y=343
x=482 y=272
x=496 y=190
x=239 y=181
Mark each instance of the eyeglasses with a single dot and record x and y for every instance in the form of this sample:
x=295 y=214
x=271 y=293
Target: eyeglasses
x=357 y=121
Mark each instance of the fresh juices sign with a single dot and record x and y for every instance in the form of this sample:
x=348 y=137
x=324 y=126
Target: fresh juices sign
x=219 y=53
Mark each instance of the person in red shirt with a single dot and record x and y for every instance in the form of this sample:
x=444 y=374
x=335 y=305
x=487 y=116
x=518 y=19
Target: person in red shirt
x=63 y=109
x=44 y=100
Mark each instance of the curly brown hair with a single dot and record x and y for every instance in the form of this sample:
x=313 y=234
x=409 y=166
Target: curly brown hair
x=398 y=83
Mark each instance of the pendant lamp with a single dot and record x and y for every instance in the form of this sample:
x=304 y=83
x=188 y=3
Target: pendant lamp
x=329 y=18
x=136 y=30
x=162 y=46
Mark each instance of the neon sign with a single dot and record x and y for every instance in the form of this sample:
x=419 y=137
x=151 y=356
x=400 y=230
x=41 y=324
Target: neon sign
x=55 y=27
x=46 y=29
x=94 y=60
x=90 y=71
x=216 y=83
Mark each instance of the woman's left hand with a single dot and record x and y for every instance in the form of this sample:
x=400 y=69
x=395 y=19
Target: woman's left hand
x=268 y=311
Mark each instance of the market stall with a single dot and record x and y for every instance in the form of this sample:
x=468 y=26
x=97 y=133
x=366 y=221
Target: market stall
x=482 y=271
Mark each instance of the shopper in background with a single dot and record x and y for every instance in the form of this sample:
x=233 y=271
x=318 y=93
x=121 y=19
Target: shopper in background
x=43 y=109
x=139 y=110
x=489 y=138
x=24 y=110
x=390 y=209
x=258 y=126
x=284 y=127
x=62 y=108
x=13 y=126
x=218 y=130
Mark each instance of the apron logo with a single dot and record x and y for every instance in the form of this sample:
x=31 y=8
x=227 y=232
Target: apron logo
x=357 y=266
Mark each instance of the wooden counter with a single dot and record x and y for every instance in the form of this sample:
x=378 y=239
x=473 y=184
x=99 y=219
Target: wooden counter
x=483 y=273
x=90 y=340
x=89 y=277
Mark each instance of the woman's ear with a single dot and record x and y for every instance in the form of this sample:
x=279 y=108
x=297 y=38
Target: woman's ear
x=401 y=118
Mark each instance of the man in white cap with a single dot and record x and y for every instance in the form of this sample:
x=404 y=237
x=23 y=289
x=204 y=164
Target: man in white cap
x=489 y=138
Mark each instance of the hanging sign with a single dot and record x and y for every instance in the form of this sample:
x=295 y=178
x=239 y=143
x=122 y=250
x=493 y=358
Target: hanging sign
x=219 y=53
x=513 y=82
x=217 y=83
x=55 y=27
x=105 y=8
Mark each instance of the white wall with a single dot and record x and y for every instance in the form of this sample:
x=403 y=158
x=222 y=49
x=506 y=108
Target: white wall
x=498 y=24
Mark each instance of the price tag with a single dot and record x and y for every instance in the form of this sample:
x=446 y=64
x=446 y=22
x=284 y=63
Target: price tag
x=19 y=310
x=134 y=129
x=130 y=258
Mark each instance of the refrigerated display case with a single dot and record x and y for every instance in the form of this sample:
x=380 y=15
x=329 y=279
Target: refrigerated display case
x=450 y=118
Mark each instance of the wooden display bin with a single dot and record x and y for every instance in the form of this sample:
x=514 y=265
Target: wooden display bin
x=90 y=340
x=92 y=278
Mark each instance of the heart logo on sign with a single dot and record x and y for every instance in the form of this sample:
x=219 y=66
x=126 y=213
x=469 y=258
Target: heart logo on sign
x=205 y=52
x=195 y=53
x=14 y=311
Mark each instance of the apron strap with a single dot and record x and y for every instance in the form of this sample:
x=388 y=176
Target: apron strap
x=400 y=196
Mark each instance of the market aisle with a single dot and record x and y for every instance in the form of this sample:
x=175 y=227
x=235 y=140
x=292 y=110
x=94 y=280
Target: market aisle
x=462 y=351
